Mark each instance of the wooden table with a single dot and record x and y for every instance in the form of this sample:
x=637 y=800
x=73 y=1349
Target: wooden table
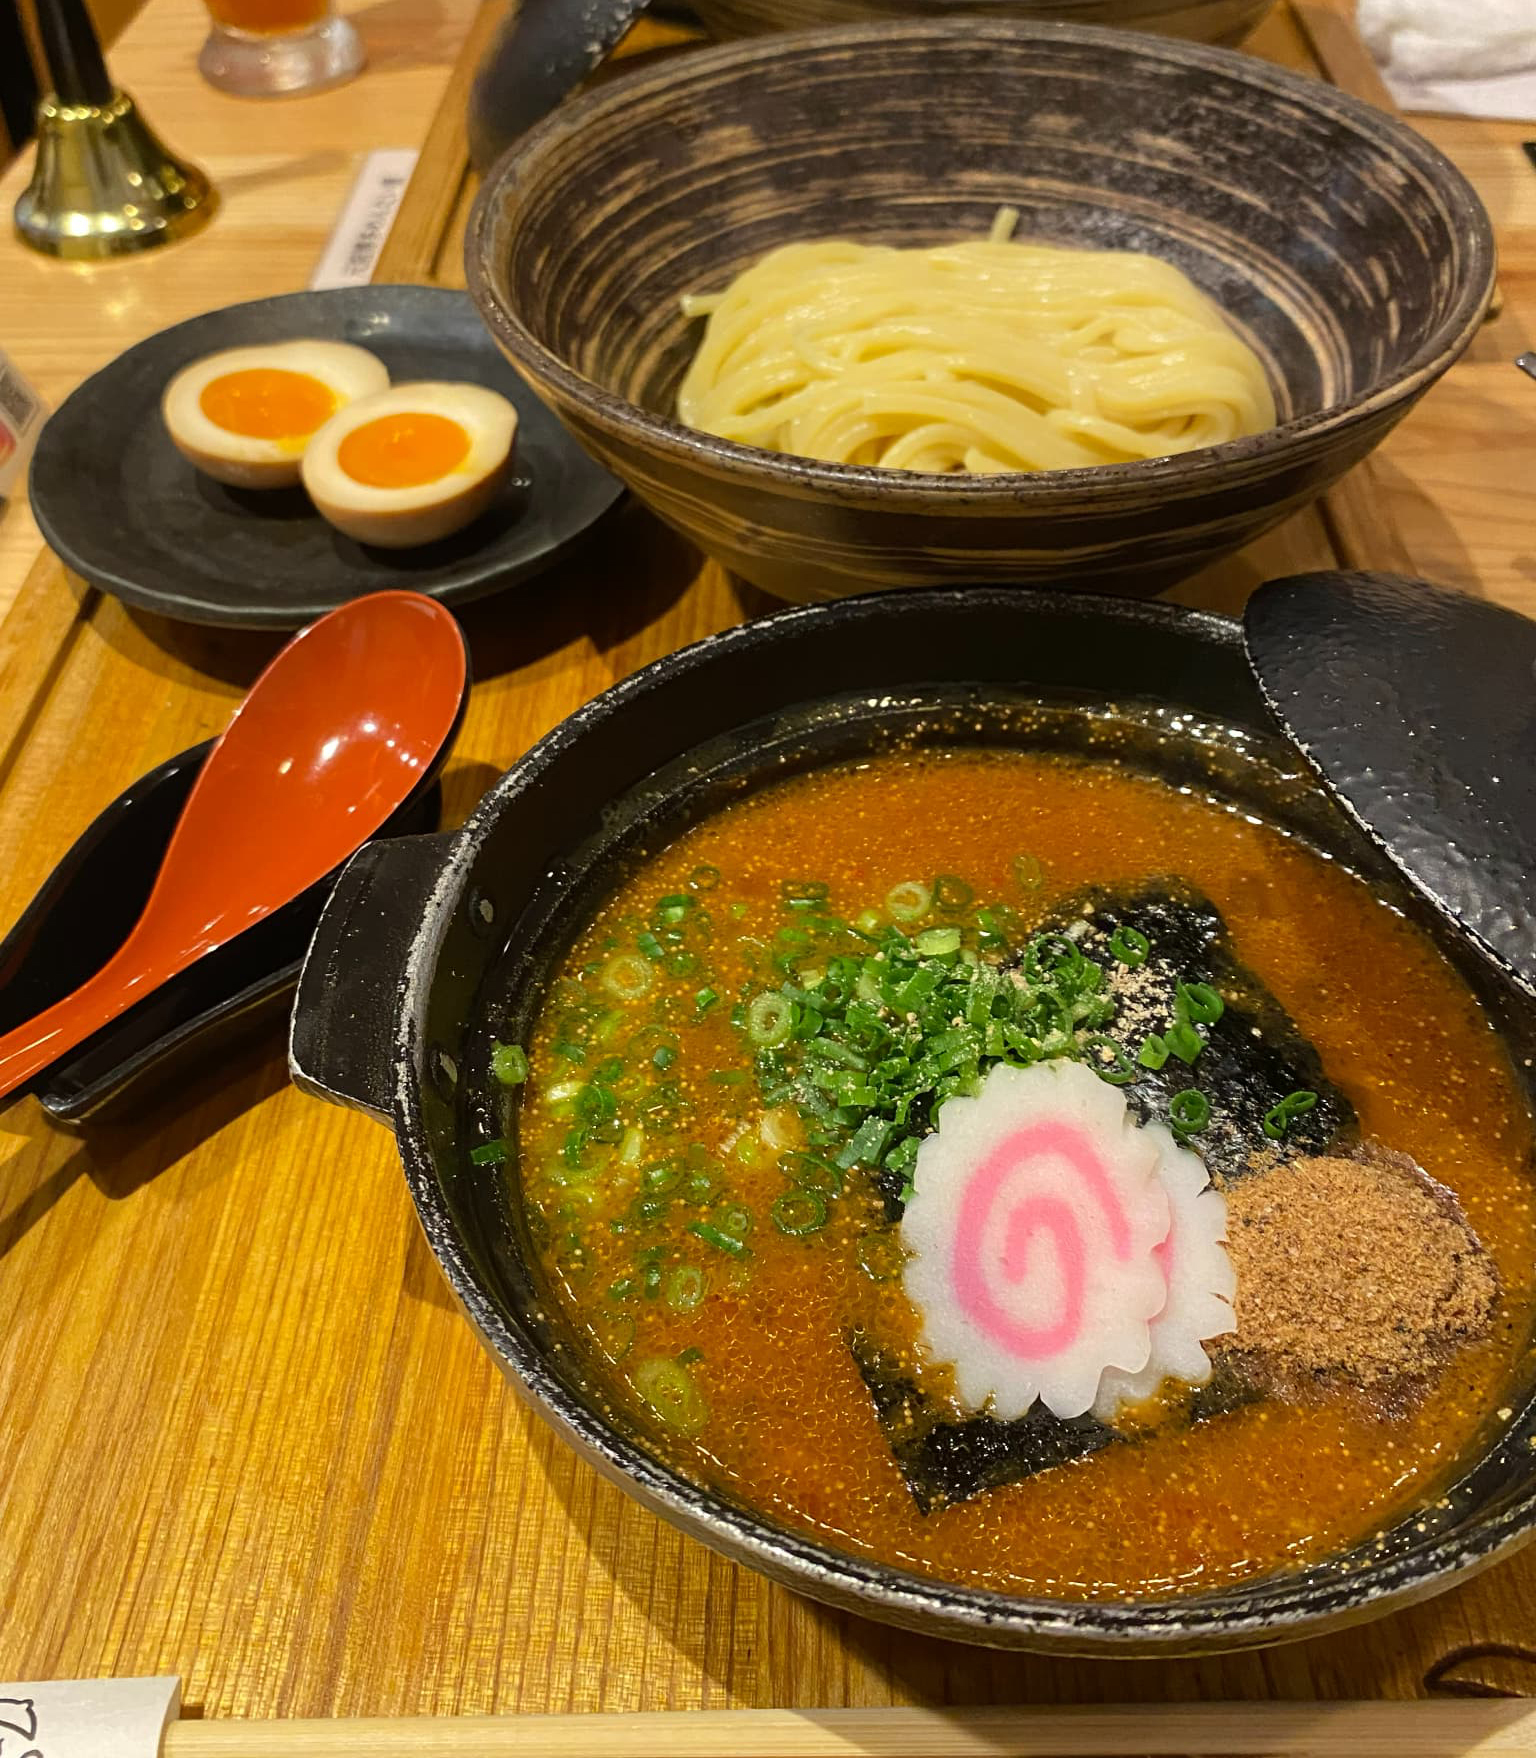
x=243 y=1435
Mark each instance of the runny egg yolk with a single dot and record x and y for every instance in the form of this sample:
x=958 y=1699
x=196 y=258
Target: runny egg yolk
x=268 y=402
x=403 y=451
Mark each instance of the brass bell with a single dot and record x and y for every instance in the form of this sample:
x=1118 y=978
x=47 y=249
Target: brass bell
x=103 y=182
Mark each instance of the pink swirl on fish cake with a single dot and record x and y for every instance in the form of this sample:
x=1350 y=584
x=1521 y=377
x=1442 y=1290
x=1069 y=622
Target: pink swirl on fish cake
x=1034 y=1213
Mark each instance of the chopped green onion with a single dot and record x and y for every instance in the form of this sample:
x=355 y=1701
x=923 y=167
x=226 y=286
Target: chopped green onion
x=1198 y=1002
x=661 y=1175
x=663 y=1056
x=1052 y=959
x=704 y=878
x=722 y=1241
x=867 y=922
x=736 y=1219
x=903 y=1156
x=1278 y=1121
x=1184 y=1041
x=490 y=1153
x=627 y=976
x=595 y=1102
x=909 y=901
x=938 y=942
x=685 y=1287
x=811 y=1173
x=1118 y=1070
x=867 y=1145
x=799 y=1212
x=1129 y=945
x=623 y=1288
x=1028 y=874
x=681 y=963
x=649 y=945
x=1189 y=1112
x=951 y=894
x=509 y=1064
x=669 y=1390
x=769 y=1020
x=704 y=1000
x=1154 y=1051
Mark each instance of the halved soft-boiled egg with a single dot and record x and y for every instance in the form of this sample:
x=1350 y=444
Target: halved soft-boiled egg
x=246 y=415
x=411 y=464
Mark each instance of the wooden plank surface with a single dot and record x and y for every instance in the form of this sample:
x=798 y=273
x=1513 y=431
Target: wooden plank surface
x=1253 y=1730
x=243 y=1435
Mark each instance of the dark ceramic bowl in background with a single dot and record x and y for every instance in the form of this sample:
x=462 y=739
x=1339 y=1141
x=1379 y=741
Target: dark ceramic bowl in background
x=1353 y=255
x=1203 y=21
x=433 y=947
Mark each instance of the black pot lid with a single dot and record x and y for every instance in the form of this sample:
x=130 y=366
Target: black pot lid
x=1417 y=707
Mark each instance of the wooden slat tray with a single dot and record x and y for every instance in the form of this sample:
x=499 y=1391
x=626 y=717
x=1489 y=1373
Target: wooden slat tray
x=246 y=1437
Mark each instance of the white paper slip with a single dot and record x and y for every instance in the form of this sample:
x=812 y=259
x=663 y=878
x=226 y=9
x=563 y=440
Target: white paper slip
x=349 y=257
x=21 y=419
x=87 y=1718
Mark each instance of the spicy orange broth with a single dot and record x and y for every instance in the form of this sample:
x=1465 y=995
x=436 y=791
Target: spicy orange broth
x=791 y=1429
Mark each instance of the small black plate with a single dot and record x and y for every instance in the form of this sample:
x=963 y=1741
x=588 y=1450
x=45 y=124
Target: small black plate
x=120 y=505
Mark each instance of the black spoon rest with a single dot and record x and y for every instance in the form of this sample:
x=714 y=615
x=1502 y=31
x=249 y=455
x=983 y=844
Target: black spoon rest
x=84 y=912
x=1417 y=707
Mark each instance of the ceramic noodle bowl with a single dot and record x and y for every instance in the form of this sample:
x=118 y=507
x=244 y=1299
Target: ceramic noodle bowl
x=1355 y=259
x=434 y=948
x=1205 y=21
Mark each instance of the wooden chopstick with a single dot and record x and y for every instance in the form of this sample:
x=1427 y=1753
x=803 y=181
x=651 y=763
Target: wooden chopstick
x=1193 y=1730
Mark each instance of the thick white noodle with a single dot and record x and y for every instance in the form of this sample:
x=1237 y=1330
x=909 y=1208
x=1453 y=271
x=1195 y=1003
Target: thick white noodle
x=982 y=356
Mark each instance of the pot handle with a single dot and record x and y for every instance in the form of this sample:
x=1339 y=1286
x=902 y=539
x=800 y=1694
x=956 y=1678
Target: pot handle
x=340 y=1042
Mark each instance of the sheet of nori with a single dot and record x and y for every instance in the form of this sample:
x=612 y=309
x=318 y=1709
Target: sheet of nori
x=1254 y=1057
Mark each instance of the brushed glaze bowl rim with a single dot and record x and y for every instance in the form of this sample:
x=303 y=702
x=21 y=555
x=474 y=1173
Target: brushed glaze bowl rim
x=1152 y=6
x=1209 y=466
x=1291 y=1605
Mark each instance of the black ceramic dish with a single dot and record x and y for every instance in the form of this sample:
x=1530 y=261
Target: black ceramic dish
x=122 y=507
x=433 y=946
x=83 y=914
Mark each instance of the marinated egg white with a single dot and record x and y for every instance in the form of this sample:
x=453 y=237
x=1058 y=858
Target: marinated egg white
x=411 y=464
x=244 y=416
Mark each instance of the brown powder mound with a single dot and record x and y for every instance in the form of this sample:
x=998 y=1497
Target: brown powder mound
x=1364 y=1270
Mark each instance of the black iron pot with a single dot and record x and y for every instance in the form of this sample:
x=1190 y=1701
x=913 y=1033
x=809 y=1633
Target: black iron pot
x=432 y=947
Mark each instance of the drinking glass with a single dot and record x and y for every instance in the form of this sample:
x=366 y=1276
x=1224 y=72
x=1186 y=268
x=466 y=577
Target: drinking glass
x=267 y=48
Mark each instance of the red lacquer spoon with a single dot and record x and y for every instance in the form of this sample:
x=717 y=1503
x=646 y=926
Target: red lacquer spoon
x=332 y=739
